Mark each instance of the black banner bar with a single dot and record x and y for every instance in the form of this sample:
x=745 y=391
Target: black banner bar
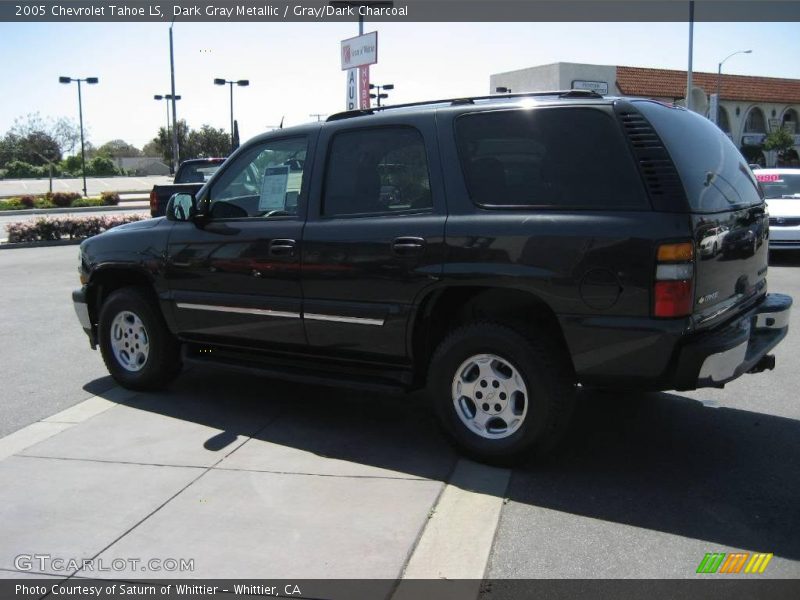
x=276 y=11
x=708 y=587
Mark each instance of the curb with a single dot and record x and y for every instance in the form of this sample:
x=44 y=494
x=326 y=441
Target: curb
x=7 y=246
x=77 y=209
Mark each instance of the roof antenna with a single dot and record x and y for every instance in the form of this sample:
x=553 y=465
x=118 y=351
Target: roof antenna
x=281 y=125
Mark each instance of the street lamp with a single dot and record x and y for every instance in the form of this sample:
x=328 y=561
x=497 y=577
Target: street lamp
x=168 y=97
x=379 y=95
x=719 y=80
x=91 y=81
x=502 y=89
x=241 y=83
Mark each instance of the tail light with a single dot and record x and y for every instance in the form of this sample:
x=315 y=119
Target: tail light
x=673 y=289
x=153 y=202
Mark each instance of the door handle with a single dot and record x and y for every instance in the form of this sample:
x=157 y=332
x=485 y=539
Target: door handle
x=405 y=246
x=282 y=247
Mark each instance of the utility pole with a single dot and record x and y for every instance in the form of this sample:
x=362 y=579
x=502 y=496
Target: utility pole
x=175 y=157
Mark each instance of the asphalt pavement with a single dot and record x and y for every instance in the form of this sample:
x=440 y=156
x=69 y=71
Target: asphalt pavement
x=94 y=185
x=649 y=483
x=257 y=478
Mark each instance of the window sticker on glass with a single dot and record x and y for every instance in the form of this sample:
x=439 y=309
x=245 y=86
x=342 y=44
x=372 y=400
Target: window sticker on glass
x=273 y=188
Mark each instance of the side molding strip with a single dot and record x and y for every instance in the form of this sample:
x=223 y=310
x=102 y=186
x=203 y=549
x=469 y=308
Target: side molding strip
x=353 y=320
x=235 y=309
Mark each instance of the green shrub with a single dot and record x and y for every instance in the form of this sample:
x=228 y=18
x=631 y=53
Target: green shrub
x=84 y=202
x=20 y=169
x=11 y=204
x=71 y=164
x=110 y=198
x=100 y=165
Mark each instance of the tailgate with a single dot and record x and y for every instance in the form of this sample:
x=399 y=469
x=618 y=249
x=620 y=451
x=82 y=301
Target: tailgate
x=726 y=209
x=731 y=262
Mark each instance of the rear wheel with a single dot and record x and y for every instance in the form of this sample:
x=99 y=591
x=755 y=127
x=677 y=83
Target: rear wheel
x=137 y=347
x=499 y=394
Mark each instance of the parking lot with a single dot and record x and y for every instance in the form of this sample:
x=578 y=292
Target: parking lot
x=251 y=477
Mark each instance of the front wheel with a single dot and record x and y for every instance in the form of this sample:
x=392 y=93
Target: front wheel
x=139 y=350
x=499 y=394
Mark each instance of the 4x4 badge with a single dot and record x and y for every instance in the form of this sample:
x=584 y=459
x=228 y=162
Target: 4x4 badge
x=708 y=298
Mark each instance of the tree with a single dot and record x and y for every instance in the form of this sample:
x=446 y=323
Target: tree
x=65 y=132
x=163 y=142
x=207 y=142
x=118 y=149
x=779 y=140
x=151 y=149
x=34 y=148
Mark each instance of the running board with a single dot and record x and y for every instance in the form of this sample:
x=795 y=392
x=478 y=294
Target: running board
x=395 y=381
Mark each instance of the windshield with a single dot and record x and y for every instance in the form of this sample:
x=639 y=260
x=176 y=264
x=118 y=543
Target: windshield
x=780 y=185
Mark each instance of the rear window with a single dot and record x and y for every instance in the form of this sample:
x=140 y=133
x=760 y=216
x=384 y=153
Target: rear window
x=714 y=173
x=198 y=172
x=548 y=157
x=780 y=185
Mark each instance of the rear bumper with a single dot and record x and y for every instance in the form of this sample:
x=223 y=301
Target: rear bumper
x=712 y=359
x=81 y=305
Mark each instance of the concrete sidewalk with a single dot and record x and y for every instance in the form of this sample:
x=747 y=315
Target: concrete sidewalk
x=249 y=478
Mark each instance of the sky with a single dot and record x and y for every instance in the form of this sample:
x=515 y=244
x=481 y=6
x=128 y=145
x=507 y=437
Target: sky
x=294 y=68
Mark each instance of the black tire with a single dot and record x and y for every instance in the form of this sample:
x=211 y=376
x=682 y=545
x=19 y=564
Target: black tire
x=162 y=363
x=548 y=379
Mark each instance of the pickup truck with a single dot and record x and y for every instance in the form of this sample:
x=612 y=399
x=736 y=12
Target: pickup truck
x=496 y=252
x=191 y=176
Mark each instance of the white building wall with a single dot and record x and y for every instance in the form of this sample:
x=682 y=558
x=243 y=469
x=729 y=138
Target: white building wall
x=557 y=76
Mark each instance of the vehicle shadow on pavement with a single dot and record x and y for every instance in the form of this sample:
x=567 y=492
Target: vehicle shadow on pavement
x=391 y=433
x=657 y=461
x=667 y=463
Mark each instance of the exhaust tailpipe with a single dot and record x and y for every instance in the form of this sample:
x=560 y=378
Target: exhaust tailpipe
x=767 y=363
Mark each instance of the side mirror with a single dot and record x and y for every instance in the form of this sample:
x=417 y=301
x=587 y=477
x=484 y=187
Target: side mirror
x=181 y=207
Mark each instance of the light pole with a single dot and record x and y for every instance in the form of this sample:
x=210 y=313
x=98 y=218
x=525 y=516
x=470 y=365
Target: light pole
x=240 y=83
x=175 y=157
x=379 y=95
x=91 y=81
x=168 y=97
x=719 y=81
x=502 y=89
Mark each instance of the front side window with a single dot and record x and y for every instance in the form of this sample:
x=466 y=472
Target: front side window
x=547 y=157
x=377 y=171
x=265 y=180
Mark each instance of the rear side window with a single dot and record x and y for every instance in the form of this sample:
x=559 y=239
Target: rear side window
x=377 y=171
x=714 y=173
x=548 y=157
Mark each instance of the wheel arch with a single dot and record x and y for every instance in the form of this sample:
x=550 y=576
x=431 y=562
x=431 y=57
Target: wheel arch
x=106 y=279
x=441 y=311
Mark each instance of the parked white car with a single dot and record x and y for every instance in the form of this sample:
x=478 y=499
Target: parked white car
x=782 y=189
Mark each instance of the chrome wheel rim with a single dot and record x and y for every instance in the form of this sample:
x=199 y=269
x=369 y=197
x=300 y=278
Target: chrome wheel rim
x=490 y=396
x=129 y=341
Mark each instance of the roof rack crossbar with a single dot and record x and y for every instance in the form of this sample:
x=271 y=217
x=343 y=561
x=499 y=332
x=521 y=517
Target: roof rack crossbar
x=464 y=100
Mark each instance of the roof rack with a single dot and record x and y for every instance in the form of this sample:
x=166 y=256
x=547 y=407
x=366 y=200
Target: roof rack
x=359 y=112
